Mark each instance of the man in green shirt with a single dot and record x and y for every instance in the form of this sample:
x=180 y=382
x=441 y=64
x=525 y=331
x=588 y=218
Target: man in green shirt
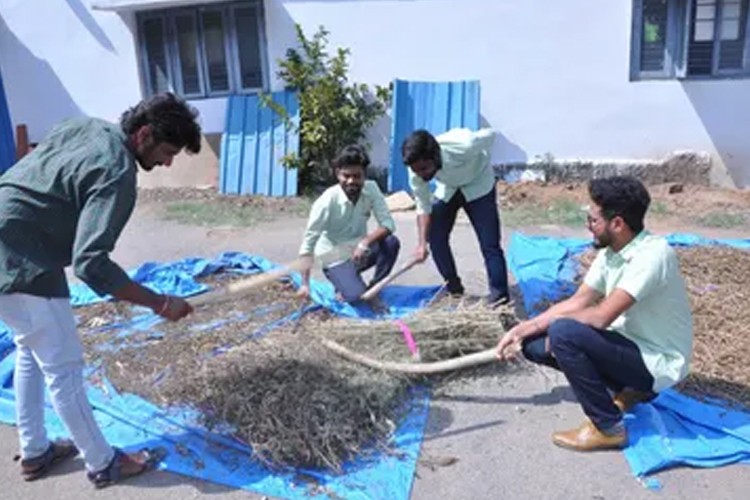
x=459 y=163
x=66 y=203
x=628 y=329
x=337 y=229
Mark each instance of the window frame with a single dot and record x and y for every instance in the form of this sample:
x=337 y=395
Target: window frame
x=717 y=72
x=142 y=51
x=169 y=17
x=679 y=29
x=177 y=64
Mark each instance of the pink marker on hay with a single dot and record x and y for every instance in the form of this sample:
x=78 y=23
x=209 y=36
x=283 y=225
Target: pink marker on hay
x=409 y=339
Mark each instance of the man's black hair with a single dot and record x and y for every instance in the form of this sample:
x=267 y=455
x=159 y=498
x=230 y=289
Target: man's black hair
x=622 y=196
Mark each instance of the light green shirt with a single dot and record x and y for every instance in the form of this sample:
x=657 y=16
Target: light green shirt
x=335 y=221
x=660 y=322
x=466 y=167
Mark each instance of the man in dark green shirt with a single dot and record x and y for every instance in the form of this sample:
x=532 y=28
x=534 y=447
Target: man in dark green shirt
x=66 y=203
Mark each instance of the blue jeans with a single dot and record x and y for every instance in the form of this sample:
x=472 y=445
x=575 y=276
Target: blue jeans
x=594 y=361
x=485 y=220
x=346 y=278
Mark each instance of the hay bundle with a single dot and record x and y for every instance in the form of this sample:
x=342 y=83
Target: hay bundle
x=297 y=404
x=294 y=404
x=449 y=335
x=146 y=359
x=716 y=279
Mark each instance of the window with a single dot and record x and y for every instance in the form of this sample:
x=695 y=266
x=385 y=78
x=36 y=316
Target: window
x=203 y=51
x=690 y=39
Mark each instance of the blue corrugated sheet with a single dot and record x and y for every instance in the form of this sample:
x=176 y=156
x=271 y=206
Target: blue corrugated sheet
x=7 y=146
x=254 y=142
x=435 y=106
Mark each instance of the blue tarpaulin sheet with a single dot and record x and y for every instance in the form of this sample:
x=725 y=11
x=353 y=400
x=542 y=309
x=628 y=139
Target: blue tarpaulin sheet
x=673 y=429
x=130 y=422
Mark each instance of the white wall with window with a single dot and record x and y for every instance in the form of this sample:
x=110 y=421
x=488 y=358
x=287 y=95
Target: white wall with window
x=205 y=51
x=562 y=77
x=574 y=78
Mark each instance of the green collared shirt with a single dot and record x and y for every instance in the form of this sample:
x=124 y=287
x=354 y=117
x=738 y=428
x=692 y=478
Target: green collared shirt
x=466 y=167
x=66 y=203
x=336 y=222
x=660 y=322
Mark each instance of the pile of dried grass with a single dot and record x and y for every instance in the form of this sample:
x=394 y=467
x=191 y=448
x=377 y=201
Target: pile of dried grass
x=716 y=279
x=448 y=329
x=295 y=404
x=146 y=361
x=299 y=405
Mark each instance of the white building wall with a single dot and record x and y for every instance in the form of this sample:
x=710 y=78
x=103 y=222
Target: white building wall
x=61 y=59
x=554 y=75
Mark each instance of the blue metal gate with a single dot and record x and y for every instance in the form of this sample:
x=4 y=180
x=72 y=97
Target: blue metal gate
x=435 y=106
x=254 y=142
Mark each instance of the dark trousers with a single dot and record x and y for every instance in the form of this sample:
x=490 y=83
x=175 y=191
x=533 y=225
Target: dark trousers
x=346 y=278
x=594 y=362
x=485 y=220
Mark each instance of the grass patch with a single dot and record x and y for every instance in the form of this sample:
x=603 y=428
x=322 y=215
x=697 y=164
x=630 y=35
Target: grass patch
x=226 y=213
x=659 y=209
x=559 y=212
x=722 y=219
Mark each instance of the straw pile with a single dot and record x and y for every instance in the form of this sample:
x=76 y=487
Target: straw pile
x=297 y=404
x=716 y=279
x=149 y=357
x=448 y=329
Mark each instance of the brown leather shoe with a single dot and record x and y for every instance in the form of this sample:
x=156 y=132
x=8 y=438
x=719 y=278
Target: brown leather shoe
x=628 y=398
x=588 y=438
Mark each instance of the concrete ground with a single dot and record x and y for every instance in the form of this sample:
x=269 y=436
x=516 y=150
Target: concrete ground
x=498 y=428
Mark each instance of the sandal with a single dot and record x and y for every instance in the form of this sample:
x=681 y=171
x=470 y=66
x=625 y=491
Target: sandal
x=37 y=467
x=146 y=459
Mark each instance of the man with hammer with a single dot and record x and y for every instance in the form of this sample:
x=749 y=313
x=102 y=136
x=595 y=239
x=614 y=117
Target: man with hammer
x=66 y=203
x=459 y=163
x=628 y=329
x=338 y=219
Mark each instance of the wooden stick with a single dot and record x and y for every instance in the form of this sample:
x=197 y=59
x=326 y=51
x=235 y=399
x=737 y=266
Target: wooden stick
x=242 y=287
x=475 y=359
x=372 y=292
x=245 y=286
x=22 y=141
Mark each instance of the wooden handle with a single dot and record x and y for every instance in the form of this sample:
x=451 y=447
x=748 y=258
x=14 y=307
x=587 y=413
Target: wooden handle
x=241 y=287
x=475 y=359
x=372 y=292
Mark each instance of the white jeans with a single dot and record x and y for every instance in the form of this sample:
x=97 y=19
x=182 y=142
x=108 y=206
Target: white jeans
x=49 y=349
